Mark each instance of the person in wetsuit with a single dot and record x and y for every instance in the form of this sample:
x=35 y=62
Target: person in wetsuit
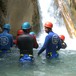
x=63 y=45
x=6 y=39
x=52 y=42
x=19 y=32
x=26 y=42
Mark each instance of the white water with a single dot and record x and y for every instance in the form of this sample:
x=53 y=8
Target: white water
x=50 y=12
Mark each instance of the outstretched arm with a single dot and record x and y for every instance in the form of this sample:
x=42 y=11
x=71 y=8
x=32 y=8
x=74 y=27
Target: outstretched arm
x=44 y=46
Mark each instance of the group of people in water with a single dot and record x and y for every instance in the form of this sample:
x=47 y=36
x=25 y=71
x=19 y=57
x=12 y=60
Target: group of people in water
x=26 y=41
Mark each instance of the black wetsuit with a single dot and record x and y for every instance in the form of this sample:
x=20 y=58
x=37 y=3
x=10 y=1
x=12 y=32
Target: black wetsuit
x=25 y=44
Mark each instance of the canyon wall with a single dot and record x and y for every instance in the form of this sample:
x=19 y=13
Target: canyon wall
x=68 y=10
x=16 y=12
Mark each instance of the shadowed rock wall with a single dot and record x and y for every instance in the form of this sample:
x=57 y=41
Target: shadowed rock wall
x=3 y=12
x=19 y=11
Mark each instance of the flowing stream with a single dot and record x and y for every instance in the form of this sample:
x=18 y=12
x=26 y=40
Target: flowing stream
x=65 y=65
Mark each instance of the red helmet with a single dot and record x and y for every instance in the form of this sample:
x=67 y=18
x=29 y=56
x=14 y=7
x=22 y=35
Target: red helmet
x=48 y=24
x=19 y=32
x=62 y=37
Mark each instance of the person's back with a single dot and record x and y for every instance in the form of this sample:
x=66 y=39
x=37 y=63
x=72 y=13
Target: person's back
x=6 y=39
x=25 y=43
x=53 y=42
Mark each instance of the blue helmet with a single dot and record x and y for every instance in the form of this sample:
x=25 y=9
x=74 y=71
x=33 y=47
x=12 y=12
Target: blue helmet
x=32 y=33
x=7 y=26
x=26 y=25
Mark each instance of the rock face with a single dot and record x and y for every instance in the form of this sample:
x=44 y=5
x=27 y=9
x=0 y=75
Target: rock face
x=16 y=12
x=69 y=13
x=72 y=4
x=3 y=4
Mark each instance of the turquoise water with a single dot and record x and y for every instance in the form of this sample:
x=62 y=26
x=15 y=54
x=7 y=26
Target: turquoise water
x=64 y=65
